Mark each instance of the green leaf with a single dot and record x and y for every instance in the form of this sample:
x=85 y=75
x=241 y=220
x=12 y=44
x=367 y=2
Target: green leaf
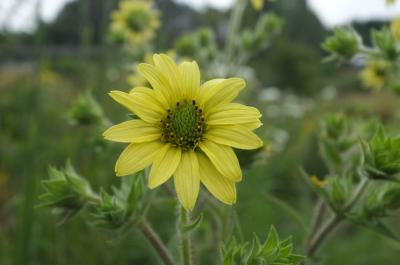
x=272 y=242
x=194 y=225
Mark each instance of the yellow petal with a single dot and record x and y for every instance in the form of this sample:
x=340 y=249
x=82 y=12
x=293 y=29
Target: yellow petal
x=168 y=67
x=134 y=131
x=237 y=136
x=146 y=105
x=187 y=180
x=233 y=113
x=190 y=75
x=221 y=93
x=223 y=158
x=158 y=81
x=164 y=166
x=136 y=157
x=253 y=125
x=142 y=102
x=222 y=188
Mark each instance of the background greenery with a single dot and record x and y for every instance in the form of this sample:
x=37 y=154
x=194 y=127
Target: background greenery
x=42 y=74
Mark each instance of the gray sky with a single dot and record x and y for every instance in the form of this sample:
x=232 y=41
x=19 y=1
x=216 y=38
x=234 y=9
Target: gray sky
x=19 y=15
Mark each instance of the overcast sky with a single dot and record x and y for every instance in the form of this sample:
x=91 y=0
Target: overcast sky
x=19 y=14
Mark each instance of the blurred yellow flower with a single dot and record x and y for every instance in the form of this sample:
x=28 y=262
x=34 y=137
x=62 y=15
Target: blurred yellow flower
x=135 y=21
x=374 y=74
x=258 y=5
x=186 y=130
x=317 y=182
x=395 y=27
x=391 y=2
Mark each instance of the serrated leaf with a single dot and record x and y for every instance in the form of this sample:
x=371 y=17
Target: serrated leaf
x=272 y=242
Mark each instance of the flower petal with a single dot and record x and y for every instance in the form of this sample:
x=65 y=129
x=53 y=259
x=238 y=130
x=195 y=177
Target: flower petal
x=237 y=136
x=168 y=67
x=187 y=180
x=219 y=186
x=190 y=75
x=223 y=158
x=164 y=166
x=221 y=93
x=146 y=105
x=133 y=131
x=158 y=81
x=233 y=113
x=142 y=102
x=135 y=157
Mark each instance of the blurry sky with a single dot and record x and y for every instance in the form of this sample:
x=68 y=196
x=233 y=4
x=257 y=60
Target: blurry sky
x=19 y=15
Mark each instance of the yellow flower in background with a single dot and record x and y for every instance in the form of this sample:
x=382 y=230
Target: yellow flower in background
x=186 y=130
x=135 y=21
x=258 y=5
x=395 y=28
x=317 y=182
x=374 y=74
x=391 y=2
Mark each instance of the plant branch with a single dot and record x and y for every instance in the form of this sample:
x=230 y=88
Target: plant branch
x=336 y=219
x=233 y=31
x=319 y=213
x=156 y=243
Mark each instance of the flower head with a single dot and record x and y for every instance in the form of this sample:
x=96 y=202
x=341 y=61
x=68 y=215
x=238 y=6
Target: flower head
x=134 y=21
x=258 y=5
x=186 y=130
x=374 y=75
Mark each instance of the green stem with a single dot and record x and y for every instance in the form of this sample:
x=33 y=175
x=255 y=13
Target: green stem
x=233 y=31
x=319 y=213
x=185 y=237
x=336 y=219
x=156 y=243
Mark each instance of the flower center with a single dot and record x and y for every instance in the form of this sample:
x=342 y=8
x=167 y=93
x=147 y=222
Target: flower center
x=137 y=20
x=184 y=125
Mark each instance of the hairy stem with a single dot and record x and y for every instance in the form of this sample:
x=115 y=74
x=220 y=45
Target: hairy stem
x=233 y=31
x=185 y=237
x=156 y=243
x=335 y=220
x=318 y=218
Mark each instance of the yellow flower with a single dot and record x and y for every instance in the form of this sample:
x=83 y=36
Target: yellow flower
x=186 y=130
x=258 y=5
x=395 y=27
x=374 y=74
x=391 y=2
x=317 y=182
x=135 y=21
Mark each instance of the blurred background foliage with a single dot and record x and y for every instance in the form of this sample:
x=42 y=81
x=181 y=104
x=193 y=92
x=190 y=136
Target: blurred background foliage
x=43 y=73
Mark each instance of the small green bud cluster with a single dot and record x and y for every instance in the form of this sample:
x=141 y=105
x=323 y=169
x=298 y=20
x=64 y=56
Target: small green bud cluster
x=69 y=193
x=272 y=251
x=337 y=192
x=86 y=111
x=268 y=26
x=385 y=42
x=200 y=45
x=66 y=191
x=381 y=156
x=335 y=140
x=382 y=202
x=343 y=45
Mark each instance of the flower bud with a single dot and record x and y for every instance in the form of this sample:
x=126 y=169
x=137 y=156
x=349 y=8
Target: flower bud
x=385 y=42
x=85 y=111
x=344 y=44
